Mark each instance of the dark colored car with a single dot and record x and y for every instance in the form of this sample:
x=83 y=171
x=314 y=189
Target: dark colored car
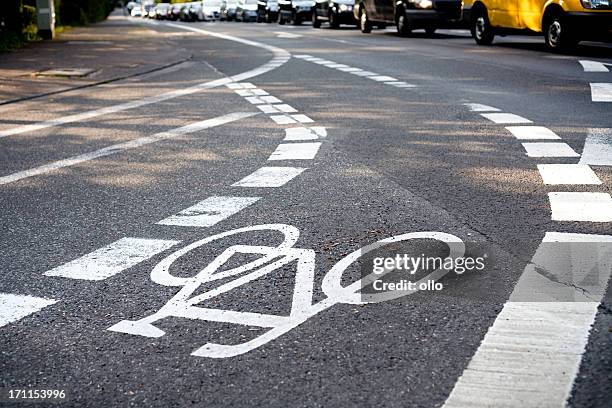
x=267 y=11
x=246 y=10
x=408 y=15
x=175 y=11
x=335 y=12
x=295 y=11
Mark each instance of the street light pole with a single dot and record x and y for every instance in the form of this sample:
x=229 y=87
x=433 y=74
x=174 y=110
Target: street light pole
x=46 y=19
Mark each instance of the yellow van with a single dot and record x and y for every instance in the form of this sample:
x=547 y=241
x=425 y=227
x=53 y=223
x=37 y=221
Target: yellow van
x=563 y=22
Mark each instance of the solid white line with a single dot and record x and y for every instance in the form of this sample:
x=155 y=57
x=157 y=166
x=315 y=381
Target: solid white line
x=581 y=206
x=504 y=118
x=550 y=149
x=112 y=259
x=107 y=151
x=478 y=107
x=270 y=177
x=532 y=132
x=598 y=147
x=295 y=151
x=209 y=212
x=593 y=66
x=567 y=174
x=280 y=55
x=601 y=92
x=531 y=355
x=16 y=307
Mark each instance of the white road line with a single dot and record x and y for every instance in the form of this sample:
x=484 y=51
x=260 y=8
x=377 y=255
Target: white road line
x=280 y=56
x=16 y=307
x=267 y=109
x=303 y=133
x=601 y=91
x=302 y=118
x=270 y=177
x=250 y=92
x=349 y=69
x=581 y=206
x=363 y=73
x=254 y=100
x=382 y=78
x=593 y=66
x=505 y=118
x=400 y=84
x=270 y=99
x=107 y=151
x=209 y=212
x=532 y=132
x=531 y=355
x=478 y=107
x=598 y=147
x=568 y=174
x=295 y=151
x=282 y=119
x=336 y=65
x=112 y=259
x=550 y=149
x=285 y=108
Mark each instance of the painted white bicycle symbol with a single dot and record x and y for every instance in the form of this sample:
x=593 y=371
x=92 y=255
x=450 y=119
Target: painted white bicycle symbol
x=183 y=304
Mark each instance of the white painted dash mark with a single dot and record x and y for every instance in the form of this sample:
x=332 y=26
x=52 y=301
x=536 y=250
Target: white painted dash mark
x=304 y=133
x=505 y=118
x=598 y=147
x=478 y=107
x=551 y=149
x=295 y=151
x=107 y=151
x=270 y=177
x=593 y=66
x=16 y=307
x=555 y=174
x=112 y=259
x=580 y=206
x=532 y=133
x=209 y=212
x=382 y=78
x=601 y=92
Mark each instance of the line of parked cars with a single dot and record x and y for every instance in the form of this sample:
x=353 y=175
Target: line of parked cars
x=563 y=23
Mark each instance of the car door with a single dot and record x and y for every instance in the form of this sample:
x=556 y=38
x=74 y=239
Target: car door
x=504 y=13
x=531 y=13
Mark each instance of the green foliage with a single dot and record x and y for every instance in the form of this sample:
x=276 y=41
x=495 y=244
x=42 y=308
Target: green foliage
x=17 y=25
x=78 y=12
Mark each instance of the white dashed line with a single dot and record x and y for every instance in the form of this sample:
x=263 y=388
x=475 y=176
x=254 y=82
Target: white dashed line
x=505 y=118
x=285 y=108
x=302 y=118
x=209 y=212
x=382 y=78
x=112 y=259
x=581 y=206
x=532 y=132
x=601 y=91
x=552 y=149
x=363 y=73
x=282 y=119
x=270 y=177
x=567 y=174
x=593 y=66
x=250 y=92
x=267 y=109
x=295 y=151
x=303 y=133
x=532 y=353
x=598 y=147
x=107 y=151
x=16 y=307
x=270 y=99
x=478 y=107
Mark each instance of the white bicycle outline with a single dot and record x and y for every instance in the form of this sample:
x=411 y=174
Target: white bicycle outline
x=302 y=307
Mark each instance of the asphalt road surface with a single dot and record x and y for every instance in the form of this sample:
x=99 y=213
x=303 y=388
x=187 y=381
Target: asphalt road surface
x=193 y=237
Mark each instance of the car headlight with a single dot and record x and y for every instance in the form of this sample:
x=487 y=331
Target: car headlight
x=595 y=4
x=422 y=4
x=343 y=7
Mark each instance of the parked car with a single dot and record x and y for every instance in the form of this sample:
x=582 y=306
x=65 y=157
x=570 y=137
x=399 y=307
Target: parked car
x=161 y=11
x=185 y=14
x=175 y=11
x=267 y=11
x=295 y=11
x=246 y=10
x=408 y=15
x=211 y=10
x=136 y=11
x=563 y=23
x=335 y=12
x=228 y=10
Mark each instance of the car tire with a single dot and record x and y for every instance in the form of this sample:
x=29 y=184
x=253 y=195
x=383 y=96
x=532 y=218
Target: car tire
x=557 y=34
x=402 y=24
x=316 y=23
x=364 y=22
x=481 y=28
x=333 y=20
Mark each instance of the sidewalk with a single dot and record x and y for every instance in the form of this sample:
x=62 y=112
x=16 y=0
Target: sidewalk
x=113 y=49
